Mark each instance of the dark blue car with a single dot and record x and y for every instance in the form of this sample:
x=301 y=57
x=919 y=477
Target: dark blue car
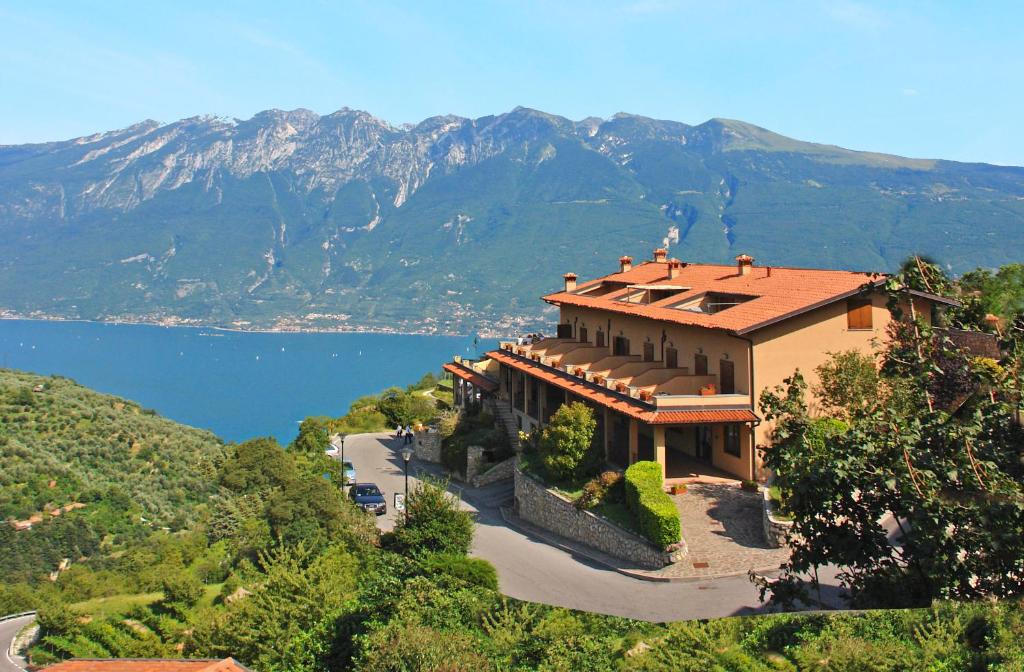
x=369 y=498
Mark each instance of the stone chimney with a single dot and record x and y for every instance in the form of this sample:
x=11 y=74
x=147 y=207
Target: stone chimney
x=625 y=264
x=570 y=281
x=674 y=267
x=660 y=254
x=744 y=263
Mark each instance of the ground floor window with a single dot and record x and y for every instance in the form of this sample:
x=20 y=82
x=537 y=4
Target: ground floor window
x=732 y=440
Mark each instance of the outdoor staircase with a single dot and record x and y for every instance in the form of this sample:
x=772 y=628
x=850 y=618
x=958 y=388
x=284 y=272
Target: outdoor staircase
x=506 y=419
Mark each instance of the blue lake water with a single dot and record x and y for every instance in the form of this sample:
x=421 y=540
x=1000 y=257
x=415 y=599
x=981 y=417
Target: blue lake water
x=238 y=385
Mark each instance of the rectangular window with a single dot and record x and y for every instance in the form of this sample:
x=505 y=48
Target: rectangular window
x=600 y=339
x=620 y=346
x=732 y=440
x=648 y=352
x=727 y=377
x=700 y=365
x=672 y=358
x=858 y=314
x=583 y=335
x=565 y=331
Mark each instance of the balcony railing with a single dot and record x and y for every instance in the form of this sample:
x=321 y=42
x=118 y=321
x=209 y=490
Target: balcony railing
x=627 y=375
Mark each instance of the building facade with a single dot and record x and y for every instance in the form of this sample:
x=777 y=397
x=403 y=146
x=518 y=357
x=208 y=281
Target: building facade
x=673 y=357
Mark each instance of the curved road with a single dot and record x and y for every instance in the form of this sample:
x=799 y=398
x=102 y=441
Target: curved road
x=529 y=569
x=8 y=631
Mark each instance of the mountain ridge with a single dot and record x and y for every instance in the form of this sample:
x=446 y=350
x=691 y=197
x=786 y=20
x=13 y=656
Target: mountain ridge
x=344 y=220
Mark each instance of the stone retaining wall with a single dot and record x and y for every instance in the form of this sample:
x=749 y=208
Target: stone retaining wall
x=547 y=509
x=775 y=529
x=474 y=462
x=428 y=445
x=499 y=472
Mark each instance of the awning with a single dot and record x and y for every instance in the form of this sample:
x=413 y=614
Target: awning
x=632 y=408
x=469 y=375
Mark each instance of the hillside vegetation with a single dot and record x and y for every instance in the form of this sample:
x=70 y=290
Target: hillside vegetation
x=62 y=444
x=90 y=444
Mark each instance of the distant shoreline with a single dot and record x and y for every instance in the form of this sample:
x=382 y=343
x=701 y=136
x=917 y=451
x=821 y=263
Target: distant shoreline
x=242 y=330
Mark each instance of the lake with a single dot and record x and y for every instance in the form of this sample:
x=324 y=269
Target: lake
x=236 y=384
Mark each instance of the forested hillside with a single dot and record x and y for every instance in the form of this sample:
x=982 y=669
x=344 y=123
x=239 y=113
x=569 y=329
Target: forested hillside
x=344 y=220
x=79 y=467
x=63 y=443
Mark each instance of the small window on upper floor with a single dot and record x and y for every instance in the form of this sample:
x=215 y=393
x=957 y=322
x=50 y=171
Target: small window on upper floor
x=858 y=314
x=648 y=351
x=600 y=339
x=583 y=335
x=565 y=331
x=671 y=358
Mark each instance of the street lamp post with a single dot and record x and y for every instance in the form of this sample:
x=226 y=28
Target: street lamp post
x=344 y=475
x=406 y=456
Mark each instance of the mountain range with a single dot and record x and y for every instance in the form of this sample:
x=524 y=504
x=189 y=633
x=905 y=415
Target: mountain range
x=295 y=220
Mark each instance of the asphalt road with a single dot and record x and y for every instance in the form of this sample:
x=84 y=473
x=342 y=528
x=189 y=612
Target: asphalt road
x=8 y=631
x=530 y=569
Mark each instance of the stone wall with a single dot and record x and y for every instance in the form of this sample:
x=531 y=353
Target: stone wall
x=428 y=445
x=474 y=462
x=549 y=510
x=501 y=471
x=775 y=529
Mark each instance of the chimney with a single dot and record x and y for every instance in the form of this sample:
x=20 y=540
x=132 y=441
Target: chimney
x=674 y=266
x=744 y=263
x=570 y=281
x=625 y=264
x=660 y=254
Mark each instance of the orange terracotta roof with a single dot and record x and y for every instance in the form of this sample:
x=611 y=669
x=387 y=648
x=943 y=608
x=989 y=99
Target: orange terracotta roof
x=632 y=408
x=464 y=372
x=775 y=295
x=147 y=665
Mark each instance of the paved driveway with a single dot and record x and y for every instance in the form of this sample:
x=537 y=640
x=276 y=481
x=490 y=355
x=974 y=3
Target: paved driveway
x=529 y=569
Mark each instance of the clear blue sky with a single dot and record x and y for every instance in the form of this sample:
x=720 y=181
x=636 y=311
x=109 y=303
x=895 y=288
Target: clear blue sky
x=928 y=79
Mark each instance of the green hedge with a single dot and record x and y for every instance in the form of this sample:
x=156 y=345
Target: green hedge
x=655 y=511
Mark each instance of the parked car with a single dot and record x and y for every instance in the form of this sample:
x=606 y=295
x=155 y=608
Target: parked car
x=349 y=470
x=369 y=498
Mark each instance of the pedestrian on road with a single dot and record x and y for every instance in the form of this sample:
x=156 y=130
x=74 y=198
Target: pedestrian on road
x=408 y=433
x=398 y=432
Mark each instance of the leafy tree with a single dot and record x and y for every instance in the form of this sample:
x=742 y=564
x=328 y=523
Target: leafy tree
x=403 y=407
x=313 y=438
x=257 y=464
x=1000 y=293
x=849 y=383
x=435 y=523
x=566 y=440
x=181 y=592
x=295 y=589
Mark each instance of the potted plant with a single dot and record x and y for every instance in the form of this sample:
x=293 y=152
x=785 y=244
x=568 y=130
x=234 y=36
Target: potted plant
x=748 y=485
x=707 y=390
x=678 y=488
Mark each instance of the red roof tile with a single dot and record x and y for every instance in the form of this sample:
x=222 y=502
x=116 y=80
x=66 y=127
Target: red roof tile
x=478 y=379
x=776 y=293
x=632 y=408
x=147 y=665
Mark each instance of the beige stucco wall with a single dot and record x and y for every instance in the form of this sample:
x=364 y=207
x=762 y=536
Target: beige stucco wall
x=686 y=340
x=805 y=341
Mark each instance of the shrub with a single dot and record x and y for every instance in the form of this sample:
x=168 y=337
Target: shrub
x=597 y=489
x=475 y=571
x=435 y=523
x=565 y=441
x=655 y=511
